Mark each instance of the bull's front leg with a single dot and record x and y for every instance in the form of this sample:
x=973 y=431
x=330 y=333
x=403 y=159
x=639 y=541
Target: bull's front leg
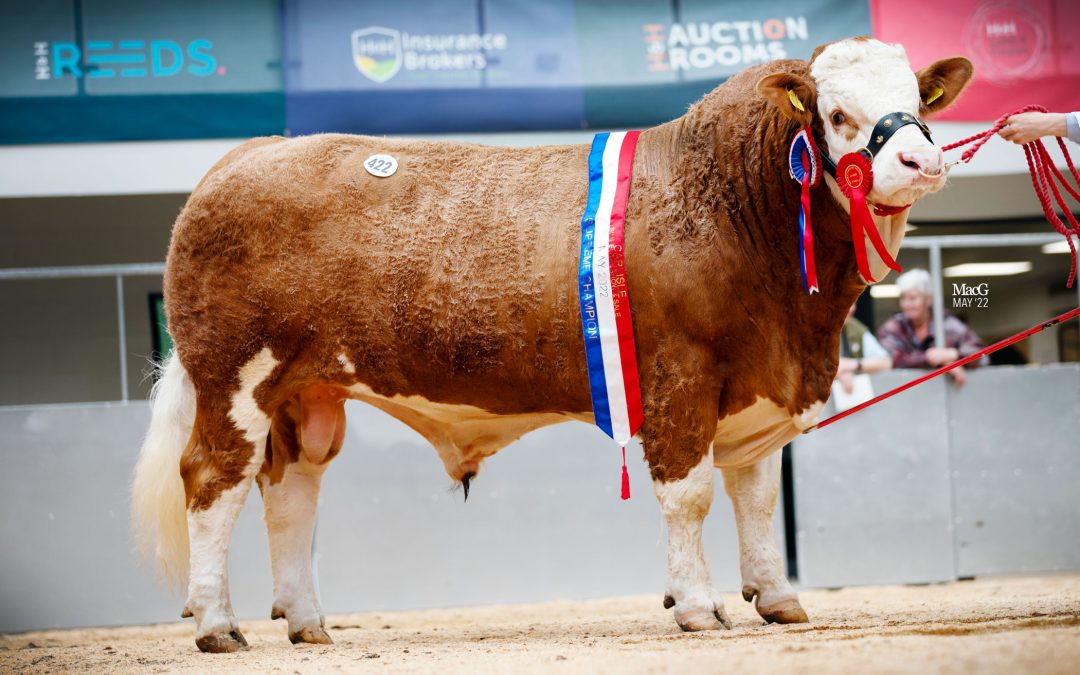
x=753 y=490
x=685 y=503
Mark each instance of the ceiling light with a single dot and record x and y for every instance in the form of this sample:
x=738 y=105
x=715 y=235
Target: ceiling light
x=885 y=291
x=994 y=269
x=1057 y=247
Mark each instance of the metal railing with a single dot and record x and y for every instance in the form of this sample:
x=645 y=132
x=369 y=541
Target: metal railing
x=95 y=271
x=934 y=244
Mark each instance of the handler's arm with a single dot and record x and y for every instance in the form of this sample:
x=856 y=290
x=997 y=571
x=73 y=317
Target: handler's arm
x=1030 y=126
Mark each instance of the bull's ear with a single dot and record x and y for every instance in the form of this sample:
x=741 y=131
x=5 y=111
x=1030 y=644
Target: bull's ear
x=794 y=94
x=941 y=82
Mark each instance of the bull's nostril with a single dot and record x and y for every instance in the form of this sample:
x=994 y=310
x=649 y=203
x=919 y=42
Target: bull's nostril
x=910 y=164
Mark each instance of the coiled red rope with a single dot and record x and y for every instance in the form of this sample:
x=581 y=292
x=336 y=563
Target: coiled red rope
x=1043 y=172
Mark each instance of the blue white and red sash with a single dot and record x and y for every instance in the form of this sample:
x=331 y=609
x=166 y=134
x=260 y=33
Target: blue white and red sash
x=603 y=291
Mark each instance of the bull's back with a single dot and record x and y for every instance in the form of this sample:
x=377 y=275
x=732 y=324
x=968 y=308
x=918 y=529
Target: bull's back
x=461 y=263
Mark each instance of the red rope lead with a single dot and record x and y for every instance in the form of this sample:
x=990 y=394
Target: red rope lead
x=1043 y=172
x=955 y=364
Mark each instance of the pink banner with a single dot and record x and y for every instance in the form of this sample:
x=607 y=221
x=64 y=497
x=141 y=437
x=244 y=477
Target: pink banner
x=1024 y=51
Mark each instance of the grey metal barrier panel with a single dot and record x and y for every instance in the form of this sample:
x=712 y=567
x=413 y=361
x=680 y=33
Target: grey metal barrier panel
x=544 y=521
x=1016 y=469
x=872 y=493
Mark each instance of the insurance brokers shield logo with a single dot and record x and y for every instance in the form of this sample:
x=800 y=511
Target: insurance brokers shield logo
x=377 y=52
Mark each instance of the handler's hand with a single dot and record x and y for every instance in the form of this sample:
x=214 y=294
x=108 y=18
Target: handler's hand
x=941 y=356
x=846 y=378
x=958 y=375
x=1026 y=127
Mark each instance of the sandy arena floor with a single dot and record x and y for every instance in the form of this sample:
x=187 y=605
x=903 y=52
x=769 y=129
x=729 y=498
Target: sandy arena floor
x=1002 y=625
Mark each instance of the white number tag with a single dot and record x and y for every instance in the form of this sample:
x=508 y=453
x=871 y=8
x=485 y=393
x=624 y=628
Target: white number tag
x=381 y=165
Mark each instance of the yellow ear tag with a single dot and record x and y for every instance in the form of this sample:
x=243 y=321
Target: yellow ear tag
x=938 y=91
x=795 y=101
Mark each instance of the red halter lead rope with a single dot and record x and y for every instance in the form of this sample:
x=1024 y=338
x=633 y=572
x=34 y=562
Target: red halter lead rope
x=955 y=364
x=1043 y=172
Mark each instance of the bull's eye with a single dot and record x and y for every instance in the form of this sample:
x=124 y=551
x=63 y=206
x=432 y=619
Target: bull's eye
x=837 y=118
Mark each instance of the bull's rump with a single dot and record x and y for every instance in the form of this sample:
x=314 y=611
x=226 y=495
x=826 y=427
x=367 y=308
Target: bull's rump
x=454 y=279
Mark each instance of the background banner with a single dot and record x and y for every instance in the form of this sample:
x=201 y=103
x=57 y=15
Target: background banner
x=491 y=65
x=1024 y=51
x=95 y=70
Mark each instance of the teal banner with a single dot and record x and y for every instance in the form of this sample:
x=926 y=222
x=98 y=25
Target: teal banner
x=88 y=70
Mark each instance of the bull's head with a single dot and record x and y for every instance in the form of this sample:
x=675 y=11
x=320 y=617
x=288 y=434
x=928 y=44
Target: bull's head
x=854 y=86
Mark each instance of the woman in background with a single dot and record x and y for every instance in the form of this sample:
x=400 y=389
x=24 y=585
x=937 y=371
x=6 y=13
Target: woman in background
x=909 y=335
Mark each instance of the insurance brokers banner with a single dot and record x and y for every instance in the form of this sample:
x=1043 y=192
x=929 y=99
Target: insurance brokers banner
x=488 y=65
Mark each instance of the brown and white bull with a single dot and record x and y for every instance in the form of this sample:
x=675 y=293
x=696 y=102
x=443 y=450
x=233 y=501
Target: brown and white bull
x=446 y=296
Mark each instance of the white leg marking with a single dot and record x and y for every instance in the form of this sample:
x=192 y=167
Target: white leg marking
x=290 y=507
x=752 y=490
x=210 y=529
x=685 y=504
x=245 y=412
x=208 y=585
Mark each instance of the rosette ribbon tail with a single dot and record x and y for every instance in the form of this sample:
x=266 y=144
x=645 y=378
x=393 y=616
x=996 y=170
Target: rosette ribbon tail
x=875 y=239
x=804 y=165
x=861 y=222
x=806 y=231
x=855 y=177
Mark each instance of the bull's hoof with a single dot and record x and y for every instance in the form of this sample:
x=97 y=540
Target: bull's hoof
x=785 y=611
x=313 y=636
x=701 y=618
x=722 y=617
x=221 y=643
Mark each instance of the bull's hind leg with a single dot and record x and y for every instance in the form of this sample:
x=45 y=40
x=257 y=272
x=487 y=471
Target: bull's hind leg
x=289 y=482
x=222 y=458
x=752 y=490
x=685 y=503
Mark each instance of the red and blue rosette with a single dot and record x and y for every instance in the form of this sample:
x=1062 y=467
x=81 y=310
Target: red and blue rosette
x=804 y=165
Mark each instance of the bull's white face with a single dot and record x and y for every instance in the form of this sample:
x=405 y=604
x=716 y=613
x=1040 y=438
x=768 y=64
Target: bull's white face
x=858 y=82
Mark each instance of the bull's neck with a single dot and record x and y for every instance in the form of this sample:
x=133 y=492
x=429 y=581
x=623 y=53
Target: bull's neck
x=741 y=207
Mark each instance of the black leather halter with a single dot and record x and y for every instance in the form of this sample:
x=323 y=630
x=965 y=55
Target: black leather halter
x=883 y=131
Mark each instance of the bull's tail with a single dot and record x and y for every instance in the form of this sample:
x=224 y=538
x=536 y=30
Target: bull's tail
x=158 y=506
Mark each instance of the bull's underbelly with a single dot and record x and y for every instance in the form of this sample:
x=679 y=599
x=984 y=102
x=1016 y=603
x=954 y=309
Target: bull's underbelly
x=754 y=432
x=464 y=435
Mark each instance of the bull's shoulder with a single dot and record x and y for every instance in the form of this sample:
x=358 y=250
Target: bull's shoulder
x=242 y=150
